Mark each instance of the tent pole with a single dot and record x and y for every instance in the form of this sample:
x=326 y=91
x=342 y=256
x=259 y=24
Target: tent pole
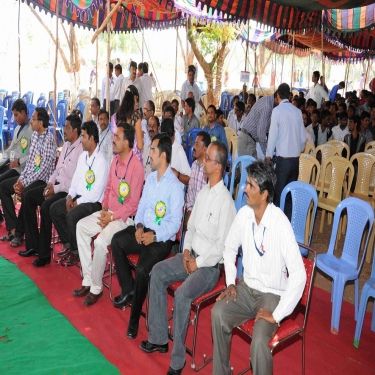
x=143 y=43
x=96 y=67
x=282 y=68
x=308 y=72
x=19 y=47
x=367 y=70
x=274 y=80
x=54 y=109
x=255 y=71
x=107 y=99
x=293 y=62
x=322 y=48
x=175 y=66
x=247 y=44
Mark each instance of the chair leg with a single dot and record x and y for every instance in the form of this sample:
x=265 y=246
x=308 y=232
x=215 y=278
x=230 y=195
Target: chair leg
x=338 y=292
x=322 y=221
x=371 y=245
x=373 y=320
x=356 y=297
x=303 y=353
x=361 y=315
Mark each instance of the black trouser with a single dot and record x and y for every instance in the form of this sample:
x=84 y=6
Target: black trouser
x=39 y=239
x=124 y=243
x=6 y=173
x=66 y=222
x=111 y=106
x=286 y=171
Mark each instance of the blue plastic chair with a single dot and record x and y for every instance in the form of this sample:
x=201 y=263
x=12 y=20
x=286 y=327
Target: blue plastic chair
x=81 y=106
x=28 y=97
x=367 y=292
x=360 y=215
x=242 y=162
x=30 y=109
x=190 y=139
x=303 y=195
x=62 y=113
x=2 y=116
x=41 y=102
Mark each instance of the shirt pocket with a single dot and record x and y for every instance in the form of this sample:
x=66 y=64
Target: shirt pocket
x=211 y=221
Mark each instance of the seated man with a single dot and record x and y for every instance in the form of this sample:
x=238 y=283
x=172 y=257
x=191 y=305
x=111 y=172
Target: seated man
x=156 y=224
x=189 y=119
x=15 y=157
x=105 y=136
x=85 y=193
x=198 y=267
x=216 y=131
x=341 y=130
x=39 y=167
x=120 y=202
x=153 y=127
x=169 y=112
x=274 y=274
x=39 y=241
x=179 y=163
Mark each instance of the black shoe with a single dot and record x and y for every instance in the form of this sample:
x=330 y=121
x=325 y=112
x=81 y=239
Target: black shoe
x=172 y=371
x=40 y=262
x=132 y=330
x=81 y=292
x=148 y=347
x=123 y=300
x=28 y=253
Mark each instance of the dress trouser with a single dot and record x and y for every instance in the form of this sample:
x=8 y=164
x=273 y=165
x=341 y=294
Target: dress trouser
x=286 y=171
x=246 y=145
x=194 y=285
x=39 y=239
x=6 y=198
x=124 y=243
x=93 y=267
x=66 y=222
x=225 y=316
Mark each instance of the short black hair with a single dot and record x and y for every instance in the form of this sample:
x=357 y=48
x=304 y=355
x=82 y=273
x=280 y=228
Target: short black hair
x=133 y=90
x=42 y=116
x=316 y=73
x=191 y=103
x=265 y=177
x=324 y=114
x=110 y=65
x=221 y=155
x=103 y=111
x=219 y=113
x=170 y=109
x=164 y=145
x=129 y=132
x=364 y=115
x=75 y=122
x=97 y=101
x=118 y=67
x=205 y=138
x=311 y=102
x=175 y=101
x=167 y=127
x=342 y=84
x=156 y=119
x=140 y=66
x=342 y=115
x=241 y=106
x=132 y=64
x=91 y=129
x=151 y=104
x=145 y=67
x=19 y=105
x=284 y=91
x=191 y=68
x=211 y=106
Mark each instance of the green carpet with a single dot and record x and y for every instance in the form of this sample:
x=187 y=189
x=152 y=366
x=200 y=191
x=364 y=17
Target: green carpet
x=37 y=339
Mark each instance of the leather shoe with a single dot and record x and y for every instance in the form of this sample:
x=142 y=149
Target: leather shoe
x=123 y=300
x=92 y=298
x=132 y=330
x=172 y=371
x=28 y=253
x=63 y=252
x=148 y=347
x=40 y=262
x=83 y=291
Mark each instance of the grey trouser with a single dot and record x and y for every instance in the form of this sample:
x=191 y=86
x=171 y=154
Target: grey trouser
x=163 y=274
x=246 y=145
x=225 y=316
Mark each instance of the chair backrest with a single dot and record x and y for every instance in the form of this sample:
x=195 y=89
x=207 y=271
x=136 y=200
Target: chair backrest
x=190 y=139
x=304 y=198
x=325 y=151
x=366 y=164
x=62 y=112
x=41 y=102
x=81 y=106
x=360 y=215
x=309 y=169
x=370 y=145
x=309 y=148
x=2 y=115
x=340 y=146
x=28 y=97
x=340 y=172
x=242 y=162
x=231 y=141
x=6 y=101
x=30 y=109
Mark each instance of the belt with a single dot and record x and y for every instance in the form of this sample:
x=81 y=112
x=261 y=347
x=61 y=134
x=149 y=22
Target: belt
x=247 y=133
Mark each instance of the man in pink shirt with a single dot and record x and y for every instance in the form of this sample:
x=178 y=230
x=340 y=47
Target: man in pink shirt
x=39 y=241
x=120 y=203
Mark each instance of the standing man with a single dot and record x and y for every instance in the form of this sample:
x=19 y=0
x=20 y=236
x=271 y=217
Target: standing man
x=288 y=137
x=256 y=126
x=191 y=86
x=317 y=92
x=119 y=78
x=111 y=89
x=105 y=136
x=39 y=240
x=157 y=221
x=85 y=193
x=94 y=109
x=120 y=202
x=131 y=80
x=274 y=274
x=148 y=83
x=333 y=93
x=198 y=266
x=39 y=167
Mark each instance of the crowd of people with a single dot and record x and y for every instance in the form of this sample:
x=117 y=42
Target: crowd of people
x=122 y=179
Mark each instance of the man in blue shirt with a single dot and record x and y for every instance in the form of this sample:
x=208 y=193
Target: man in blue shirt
x=215 y=130
x=333 y=93
x=157 y=221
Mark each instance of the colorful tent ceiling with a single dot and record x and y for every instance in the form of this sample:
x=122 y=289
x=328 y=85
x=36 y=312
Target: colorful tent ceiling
x=281 y=14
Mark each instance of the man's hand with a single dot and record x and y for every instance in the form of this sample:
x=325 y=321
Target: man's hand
x=192 y=265
x=49 y=191
x=266 y=315
x=229 y=294
x=138 y=235
x=18 y=187
x=105 y=218
x=147 y=238
x=14 y=164
x=185 y=260
x=175 y=172
x=70 y=203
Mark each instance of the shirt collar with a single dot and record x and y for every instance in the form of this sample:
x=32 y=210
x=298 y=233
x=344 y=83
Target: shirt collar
x=124 y=162
x=217 y=187
x=93 y=154
x=76 y=142
x=265 y=221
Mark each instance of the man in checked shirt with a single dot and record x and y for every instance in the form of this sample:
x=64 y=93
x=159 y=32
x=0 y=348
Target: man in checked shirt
x=38 y=169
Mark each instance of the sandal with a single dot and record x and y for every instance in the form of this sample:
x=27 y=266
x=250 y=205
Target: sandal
x=70 y=260
x=16 y=241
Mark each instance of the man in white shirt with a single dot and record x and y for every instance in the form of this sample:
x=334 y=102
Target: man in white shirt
x=341 y=130
x=179 y=163
x=191 y=86
x=148 y=110
x=94 y=110
x=105 y=136
x=237 y=120
x=197 y=267
x=118 y=84
x=131 y=80
x=317 y=92
x=111 y=89
x=85 y=193
x=274 y=274
x=148 y=83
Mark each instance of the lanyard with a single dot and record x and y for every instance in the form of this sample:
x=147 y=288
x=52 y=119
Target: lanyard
x=90 y=166
x=260 y=249
x=71 y=150
x=104 y=136
x=126 y=170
